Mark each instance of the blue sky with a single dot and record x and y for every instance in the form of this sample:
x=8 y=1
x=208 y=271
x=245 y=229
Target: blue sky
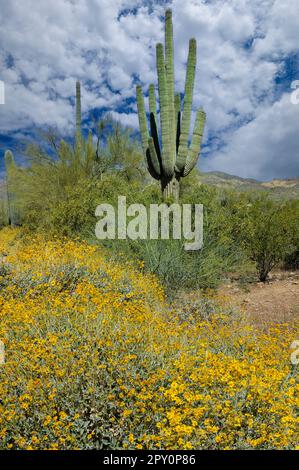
x=248 y=55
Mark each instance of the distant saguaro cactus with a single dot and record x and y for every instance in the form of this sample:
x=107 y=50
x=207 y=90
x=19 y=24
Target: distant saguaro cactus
x=174 y=158
x=78 y=114
x=10 y=167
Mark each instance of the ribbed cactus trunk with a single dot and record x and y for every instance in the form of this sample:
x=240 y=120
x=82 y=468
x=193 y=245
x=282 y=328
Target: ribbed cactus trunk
x=10 y=174
x=170 y=188
x=168 y=154
x=78 y=114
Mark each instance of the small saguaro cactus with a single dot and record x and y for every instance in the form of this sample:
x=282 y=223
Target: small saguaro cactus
x=10 y=167
x=169 y=155
x=84 y=151
x=78 y=113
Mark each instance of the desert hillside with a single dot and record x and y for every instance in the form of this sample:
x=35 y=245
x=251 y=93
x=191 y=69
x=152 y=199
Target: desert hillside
x=278 y=188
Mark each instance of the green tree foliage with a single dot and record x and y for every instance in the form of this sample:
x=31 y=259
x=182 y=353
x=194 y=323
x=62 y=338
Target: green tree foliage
x=268 y=231
x=59 y=190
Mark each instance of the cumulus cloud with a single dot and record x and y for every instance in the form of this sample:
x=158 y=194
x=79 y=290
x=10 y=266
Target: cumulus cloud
x=243 y=46
x=127 y=119
x=267 y=146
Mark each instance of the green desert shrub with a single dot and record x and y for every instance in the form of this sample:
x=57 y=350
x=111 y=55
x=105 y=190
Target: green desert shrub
x=268 y=231
x=58 y=192
x=176 y=267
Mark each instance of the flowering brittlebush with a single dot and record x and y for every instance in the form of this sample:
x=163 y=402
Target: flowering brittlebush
x=96 y=358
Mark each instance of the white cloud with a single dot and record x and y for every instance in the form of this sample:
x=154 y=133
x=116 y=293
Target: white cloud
x=267 y=146
x=46 y=46
x=118 y=78
x=127 y=119
x=232 y=30
x=280 y=30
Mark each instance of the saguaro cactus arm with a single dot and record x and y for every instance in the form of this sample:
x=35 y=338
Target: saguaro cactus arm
x=154 y=160
x=150 y=153
x=177 y=107
x=142 y=119
x=194 y=149
x=189 y=85
x=154 y=121
x=153 y=102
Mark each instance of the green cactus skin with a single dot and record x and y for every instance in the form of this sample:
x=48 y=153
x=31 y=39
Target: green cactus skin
x=152 y=163
x=172 y=157
x=10 y=168
x=187 y=109
x=170 y=81
x=78 y=113
x=9 y=160
x=154 y=129
x=196 y=142
x=167 y=161
x=177 y=107
x=153 y=102
x=142 y=119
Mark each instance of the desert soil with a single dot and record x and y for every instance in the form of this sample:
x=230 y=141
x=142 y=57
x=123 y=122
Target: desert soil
x=276 y=301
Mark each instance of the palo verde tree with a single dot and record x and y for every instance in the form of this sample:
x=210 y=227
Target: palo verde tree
x=268 y=232
x=168 y=154
x=120 y=152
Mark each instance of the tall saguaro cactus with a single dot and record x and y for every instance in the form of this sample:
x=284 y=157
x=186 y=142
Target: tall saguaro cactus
x=168 y=154
x=10 y=168
x=78 y=113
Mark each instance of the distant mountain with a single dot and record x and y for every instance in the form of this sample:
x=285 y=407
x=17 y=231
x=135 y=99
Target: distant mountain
x=279 y=188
